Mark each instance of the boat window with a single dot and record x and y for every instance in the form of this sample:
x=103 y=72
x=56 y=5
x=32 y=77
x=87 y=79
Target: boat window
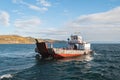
x=75 y=37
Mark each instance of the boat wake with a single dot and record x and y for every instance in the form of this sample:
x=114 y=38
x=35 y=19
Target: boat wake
x=6 y=76
x=88 y=58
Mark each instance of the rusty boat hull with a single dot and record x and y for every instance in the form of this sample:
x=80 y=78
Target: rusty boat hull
x=58 y=53
x=67 y=53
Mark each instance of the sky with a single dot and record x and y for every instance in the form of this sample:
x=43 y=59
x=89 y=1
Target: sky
x=94 y=20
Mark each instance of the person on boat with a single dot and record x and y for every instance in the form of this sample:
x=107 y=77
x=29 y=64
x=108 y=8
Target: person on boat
x=75 y=47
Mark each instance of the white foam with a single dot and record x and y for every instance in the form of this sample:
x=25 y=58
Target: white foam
x=6 y=76
x=88 y=58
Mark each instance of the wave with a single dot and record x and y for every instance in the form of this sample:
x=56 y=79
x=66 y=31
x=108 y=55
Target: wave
x=6 y=76
x=88 y=58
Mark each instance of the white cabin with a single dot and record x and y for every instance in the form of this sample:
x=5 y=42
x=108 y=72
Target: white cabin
x=76 y=42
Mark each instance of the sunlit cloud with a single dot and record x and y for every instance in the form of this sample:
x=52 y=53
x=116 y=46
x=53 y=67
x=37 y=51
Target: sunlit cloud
x=32 y=22
x=94 y=26
x=18 y=12
x=44 y=3
x=111 y=17
x=42 y=8
x=4 y=18
x=41 y=32
x=36 y=8
x=17 y=1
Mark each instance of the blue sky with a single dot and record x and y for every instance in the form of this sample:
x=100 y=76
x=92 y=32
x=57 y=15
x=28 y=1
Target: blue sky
x=96 y=20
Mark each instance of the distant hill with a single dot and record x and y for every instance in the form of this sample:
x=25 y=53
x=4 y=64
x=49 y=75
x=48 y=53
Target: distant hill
x=15 y=39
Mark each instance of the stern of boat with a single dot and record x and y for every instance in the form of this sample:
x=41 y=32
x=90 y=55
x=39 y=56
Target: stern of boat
x=42 y=49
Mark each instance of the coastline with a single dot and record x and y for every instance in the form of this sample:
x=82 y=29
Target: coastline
x=16 y=39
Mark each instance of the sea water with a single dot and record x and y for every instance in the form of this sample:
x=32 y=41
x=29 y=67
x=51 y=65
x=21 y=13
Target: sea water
x=17 y=62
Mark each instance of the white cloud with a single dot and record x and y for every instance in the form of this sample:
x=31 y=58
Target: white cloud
x=27 y=23
x=44 y=3
x=103 y=26
x=4 y=18
x=17 y=1
x=36 y=8
x=14 y=1
x=17 y=12
x=106 y=18
x=49 y=33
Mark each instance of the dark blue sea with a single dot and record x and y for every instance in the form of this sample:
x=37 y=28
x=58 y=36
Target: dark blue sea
x=18 y=62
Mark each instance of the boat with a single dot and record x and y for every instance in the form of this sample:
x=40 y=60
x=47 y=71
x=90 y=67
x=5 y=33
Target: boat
x=76 y=47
